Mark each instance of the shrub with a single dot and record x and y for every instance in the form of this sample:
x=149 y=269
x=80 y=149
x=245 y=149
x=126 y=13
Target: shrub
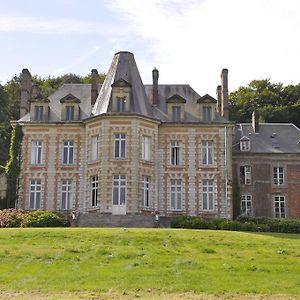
x=11 y=217
x=40 y=218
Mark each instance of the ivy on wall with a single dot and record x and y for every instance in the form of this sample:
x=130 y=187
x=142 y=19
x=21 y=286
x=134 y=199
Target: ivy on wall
x=13 y=166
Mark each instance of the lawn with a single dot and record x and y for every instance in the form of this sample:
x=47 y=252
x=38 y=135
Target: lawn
x=71 y=263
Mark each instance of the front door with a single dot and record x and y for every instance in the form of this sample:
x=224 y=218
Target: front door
x=119 y=195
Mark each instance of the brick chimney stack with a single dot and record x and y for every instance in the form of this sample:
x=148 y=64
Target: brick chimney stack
x=94 y=87
x=219 y=97
x=224 y=92
x=26 y=87
x=255 y=121
x=155 y=75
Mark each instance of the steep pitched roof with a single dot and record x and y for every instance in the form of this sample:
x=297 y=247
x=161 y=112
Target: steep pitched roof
x=207 y=99
x=176 y=99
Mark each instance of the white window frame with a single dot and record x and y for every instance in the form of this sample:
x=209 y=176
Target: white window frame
x=120 y=104
x=38 y=112
x=70 y=112
x=146 y=147
x=175 y=153
x=36 y=152
x=95 y=147
x=35 y=193
x=278 y=175
x=176 y=113
x=247 y=179
x=245 y=145
x=176 y=194
x=68 y=149
x=66 y=194
x=120 y=146
x=279 y=206
x=94 y=190
x=207 y=157
x=119 y=190
x=208 y=195
x=145 y=187
x=246 y=204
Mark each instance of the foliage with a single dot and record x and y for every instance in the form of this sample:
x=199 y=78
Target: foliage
x=41 y=218
x=13 y=166
x=11 y=217
x=241 y=224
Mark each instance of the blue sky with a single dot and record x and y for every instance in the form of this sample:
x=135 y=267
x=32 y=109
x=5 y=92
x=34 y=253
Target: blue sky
x=188 y=41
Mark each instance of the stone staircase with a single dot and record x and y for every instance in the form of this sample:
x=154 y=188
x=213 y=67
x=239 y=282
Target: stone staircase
x=96 y=219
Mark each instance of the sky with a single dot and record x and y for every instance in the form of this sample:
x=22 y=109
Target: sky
x=188 y=41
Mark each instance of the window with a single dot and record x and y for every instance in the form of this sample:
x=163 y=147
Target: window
x=68 y=152
x=175 y=153
x=66 y=194
x=208 y=194
x=278 y=177
x=279 y=207
x=36 y=152
x=120 y=145
x=121 y=101
x=95 y=147
x=146 y=141
x=245 y=175
x=246 y=204
x=176 y=194
x=207 y=113
x=70 y=113
x=119 y=189
x=39 y=111
x=207 y=153
x=145 y=191
x=176 y=113
x=94 y=189
x=245 y=145
x=35 y=194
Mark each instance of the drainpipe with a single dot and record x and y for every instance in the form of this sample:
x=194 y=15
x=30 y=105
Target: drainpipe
x=225 y=164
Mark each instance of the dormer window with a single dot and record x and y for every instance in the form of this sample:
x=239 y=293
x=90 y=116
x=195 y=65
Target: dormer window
x=70 y=108
x=39 y=106
x=121 y=101
x=69 y=113
x=176 y=113
x=207 y=108
x=207 y=113
x=39 y=113
x=244 y=144
x=121 y=92
x=175 y=106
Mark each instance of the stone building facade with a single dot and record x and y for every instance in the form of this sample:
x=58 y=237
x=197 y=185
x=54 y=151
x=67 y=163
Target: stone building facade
x=125 y=148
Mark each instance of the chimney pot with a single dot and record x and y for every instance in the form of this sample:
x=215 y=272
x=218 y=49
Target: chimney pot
x=255 y=121
x=155 y=75
x=224 y=93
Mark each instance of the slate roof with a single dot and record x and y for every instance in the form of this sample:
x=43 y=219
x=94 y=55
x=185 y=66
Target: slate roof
x=271 y=138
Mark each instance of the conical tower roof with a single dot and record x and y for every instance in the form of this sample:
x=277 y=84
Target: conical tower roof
x=123 y=67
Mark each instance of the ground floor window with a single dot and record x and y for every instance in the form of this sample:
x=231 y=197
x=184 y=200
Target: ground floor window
x=246 y=205
x=279 y=206
x=35 y=194
x=176 y=194
x=119 y=189
x=208 y=194
x=66 y=194
x=94 y=189
x=145 y=191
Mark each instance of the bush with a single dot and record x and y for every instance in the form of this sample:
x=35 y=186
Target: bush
x=11 y=217
x=40 y=218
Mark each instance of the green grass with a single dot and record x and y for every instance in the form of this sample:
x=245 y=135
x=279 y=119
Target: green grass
x=84 y=260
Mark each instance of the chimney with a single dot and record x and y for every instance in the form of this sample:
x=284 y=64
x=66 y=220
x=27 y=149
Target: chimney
x=94 y=87
x=155 y=75
x=26 y=86
x=219 y=97
x=224 y=92
x=255 y=121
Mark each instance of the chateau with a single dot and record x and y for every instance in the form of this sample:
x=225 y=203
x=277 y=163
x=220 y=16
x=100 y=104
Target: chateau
x=133 y=150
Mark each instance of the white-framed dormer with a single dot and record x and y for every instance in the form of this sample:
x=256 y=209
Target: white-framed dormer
x=207 y=108
x=175 y=108
x=39 y=106
x=245 y=144
x=70 y=110
x=121 y=96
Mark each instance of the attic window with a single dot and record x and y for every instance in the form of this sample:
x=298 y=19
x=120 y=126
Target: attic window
x=69 y=113
x=39 y=111
x=207 y=113
x=121 y=104
x=244 y=144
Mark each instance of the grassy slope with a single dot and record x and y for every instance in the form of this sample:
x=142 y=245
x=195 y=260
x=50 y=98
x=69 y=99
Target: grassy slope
x=80 y=259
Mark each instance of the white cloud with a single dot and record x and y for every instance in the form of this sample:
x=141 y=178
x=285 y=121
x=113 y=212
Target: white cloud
x=191 y=41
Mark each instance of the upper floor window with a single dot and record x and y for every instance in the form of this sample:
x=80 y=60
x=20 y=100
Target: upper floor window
x=39 y=112
x=121 y=101
x=69 y=113
x=94 y=190
x=244 y=144
x=207 y=153
x=35 y=193
x=208 y=194
x=207 y=115
x=120 y=145
x=176 y=194
x=278 y=175
x=68 y=152
x=145 y=191
x=279 y=206
x=66 y=196
x=246 y=205
x=175 y=153
x=146 y=142
x=176 y=113
x=245 y=174
x=36 y=152
x=95 y=147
